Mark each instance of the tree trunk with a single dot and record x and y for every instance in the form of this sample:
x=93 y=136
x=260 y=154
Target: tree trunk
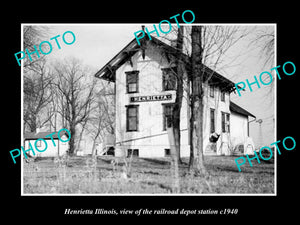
x=174 y=159
x=95 y=138
x=191 y=130
x=179 y=94
x=80 y=135
x=33 y=124
x=176 y=117
x=196 y=120
x=198 y=137
x=72 y=140
x=93 y=147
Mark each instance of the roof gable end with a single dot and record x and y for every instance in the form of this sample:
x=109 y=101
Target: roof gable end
x=107 y=72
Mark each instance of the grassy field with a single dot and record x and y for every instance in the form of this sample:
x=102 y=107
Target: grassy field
x=83 y=175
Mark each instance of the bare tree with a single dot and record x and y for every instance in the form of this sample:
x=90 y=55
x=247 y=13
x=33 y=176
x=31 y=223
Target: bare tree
x=102 y=120
x=76 y=95
x=37 y=82
x=32 y=36
x=173 y=123
x=180 y=69
x=264 y=39
x=209 y=47
x=196 y=100
x=205 y=51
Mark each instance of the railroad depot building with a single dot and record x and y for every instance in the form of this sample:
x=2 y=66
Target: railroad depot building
x=144 y=93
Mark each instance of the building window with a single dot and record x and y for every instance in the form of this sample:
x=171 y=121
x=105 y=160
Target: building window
x=132 y=117
x=223 y=96
x=132 y=152
x=169 y=79
x=211 y=91
x=167 y=152
x=212 y=120
x=132 y=81
x=225 y=122
x=167 y=115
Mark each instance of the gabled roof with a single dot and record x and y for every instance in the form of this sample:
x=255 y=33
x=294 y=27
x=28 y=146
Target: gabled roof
x=107 y=72
x=235 y=108
x=35 y=136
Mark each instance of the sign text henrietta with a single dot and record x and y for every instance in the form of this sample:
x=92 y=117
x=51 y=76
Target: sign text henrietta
x=151 y=98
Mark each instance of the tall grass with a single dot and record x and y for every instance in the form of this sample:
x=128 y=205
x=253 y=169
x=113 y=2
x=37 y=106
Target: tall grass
x=109 y=175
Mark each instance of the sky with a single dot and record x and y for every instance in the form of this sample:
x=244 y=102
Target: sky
x=96 y=44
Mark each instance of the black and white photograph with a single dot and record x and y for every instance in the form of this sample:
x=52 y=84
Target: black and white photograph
x=131 y=112
x=149 y=109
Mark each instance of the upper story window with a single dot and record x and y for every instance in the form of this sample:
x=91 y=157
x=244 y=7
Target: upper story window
x=212 y=91
x=223 y=96
x=132 y=81
x=169 y=79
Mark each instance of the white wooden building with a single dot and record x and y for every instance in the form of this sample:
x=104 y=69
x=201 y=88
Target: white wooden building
x=144 y=93
x=59 y=149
